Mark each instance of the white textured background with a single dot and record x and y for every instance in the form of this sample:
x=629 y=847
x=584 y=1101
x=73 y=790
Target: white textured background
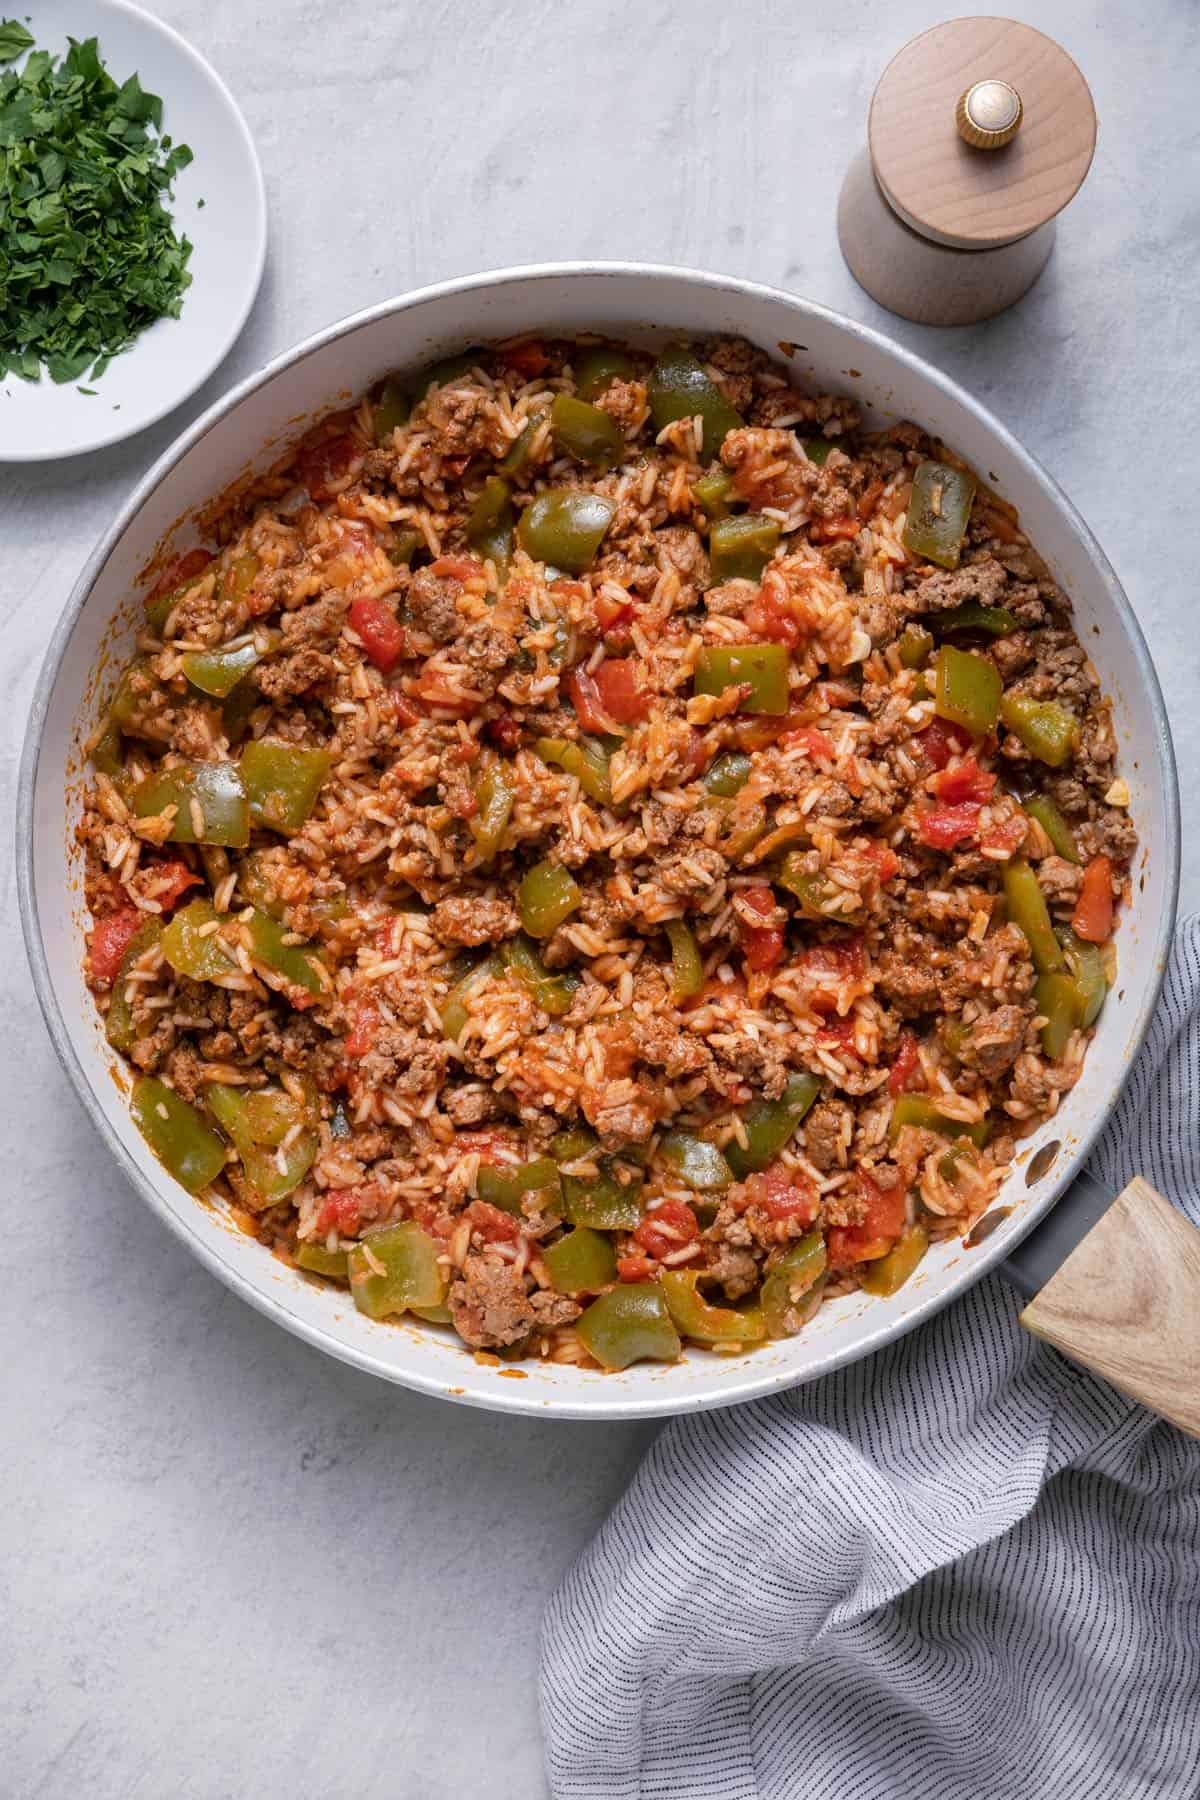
x=231 y=1567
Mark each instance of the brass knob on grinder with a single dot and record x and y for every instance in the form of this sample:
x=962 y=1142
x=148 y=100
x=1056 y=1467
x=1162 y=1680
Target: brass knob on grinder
x=988 y=115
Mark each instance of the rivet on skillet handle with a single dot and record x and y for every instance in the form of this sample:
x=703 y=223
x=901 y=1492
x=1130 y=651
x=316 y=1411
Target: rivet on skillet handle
x=1115 y=1285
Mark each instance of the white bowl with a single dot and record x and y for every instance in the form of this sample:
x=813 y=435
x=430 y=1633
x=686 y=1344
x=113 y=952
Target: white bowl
x=219 y=203
x=265 y=412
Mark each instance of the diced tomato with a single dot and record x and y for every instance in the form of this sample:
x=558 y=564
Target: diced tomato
x=882 y=1223
x=761 y=944
x=362 y=1032
x=669 y=1227
x=941 y=740
x=341 y=1211
x=109 y=941
x=454 y=466
x=965 y=781
x=694 y=756
x=633 y=1266
x=325 y=467
x=1093 y=915
x=613 y=695
x=830 y=531
x=906 y=1065
x=887 y=863
x=771 y=614
x=381 y=632
x=613 y=615
x=844 y=958
x=493 y=1226
x=457 y=568
x=870 y=500
x=784 y=1197
x=178 y=571
x=1005 y=835
x=171 y=879
x=432 y=689
x=407 y=711
x=815 y=742
x=488 y=1144
x=504 y=731
x=942 y=827
x=837 y=1034
x=528 y=358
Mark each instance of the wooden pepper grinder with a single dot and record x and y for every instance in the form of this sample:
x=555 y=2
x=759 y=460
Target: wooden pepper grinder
x=980 y=132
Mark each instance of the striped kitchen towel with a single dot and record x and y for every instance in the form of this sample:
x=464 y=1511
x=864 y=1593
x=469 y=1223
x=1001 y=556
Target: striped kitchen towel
x=958 y=1570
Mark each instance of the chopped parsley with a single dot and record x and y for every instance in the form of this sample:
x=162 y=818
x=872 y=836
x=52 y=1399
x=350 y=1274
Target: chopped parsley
x=88 y=254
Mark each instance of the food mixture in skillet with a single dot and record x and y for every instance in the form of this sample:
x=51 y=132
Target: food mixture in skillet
x=604 y=852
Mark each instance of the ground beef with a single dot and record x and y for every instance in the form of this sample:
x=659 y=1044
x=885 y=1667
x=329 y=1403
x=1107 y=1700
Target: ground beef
x=471 y=1105
x=730 y=599
x=663 y=1046
x=1059 y=880
x=993 y=1042
x=682 y=549
x=624 y=401
x=826 y=1134
x=693 y=871
x=473 y=920
x=319 y=624
x=1111 y=833
x=734 y=1269
x=489 y=1305
x=983 y=581
x=431 y=605
x=279 y=677
x=909 y=973
x=620 y=1112
x=186 y=1072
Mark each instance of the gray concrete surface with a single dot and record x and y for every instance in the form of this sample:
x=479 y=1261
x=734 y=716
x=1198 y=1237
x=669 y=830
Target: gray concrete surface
x=230 y=1567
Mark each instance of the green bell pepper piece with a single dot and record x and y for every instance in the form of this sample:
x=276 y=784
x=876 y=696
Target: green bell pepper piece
x=742 y=547
x=505 y=1186
x=697 y=1162
x=746 y=827
x=136 y=683
x=680 y=388
x=713 y=493
x=193 y=948
x=587 y=433
x=629 y=1324
x=411 y=1274
x=548 y=894
x=446 y=372
x=967 y=690
x=914 y=1109
x=600 y=1201
x=239 y=577
x=1043 y=809
x=1085 y=963
x=433 y=1315
x=770 y=1124
x=819 y=897
x=938 y=513
x=989 y=621
x=515 y=462
x=550 y=993
x=489 y=526
x=315 y=1259
x=187 y=1147
x=564 y=526
x=496 y=796
x=800 y=1271
x=586 y=760
x=887 y=1274
x=217 y=672
x=297 y=963
x=1047 y=730
x=282 y=782
x=1027 y=908
x=107 y=753
x=237 y=710
x=695 y=1317
x=1059 y=1001
x=687 y=966
x=582 y=1262
x=817 y=449
x=597 y=367
x=728 y=775
x=763 y=668
x=453 y=1013
x=118 y=1020
x=915 y=646
x=391 y=409
x=209 y=800
x=257 y=1125
x=405 y=545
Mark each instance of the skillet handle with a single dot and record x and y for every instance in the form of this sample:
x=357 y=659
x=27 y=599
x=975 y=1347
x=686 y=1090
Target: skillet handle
x=1126 y=1303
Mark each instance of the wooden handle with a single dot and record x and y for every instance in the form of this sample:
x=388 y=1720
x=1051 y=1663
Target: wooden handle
x=1126 y=1304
